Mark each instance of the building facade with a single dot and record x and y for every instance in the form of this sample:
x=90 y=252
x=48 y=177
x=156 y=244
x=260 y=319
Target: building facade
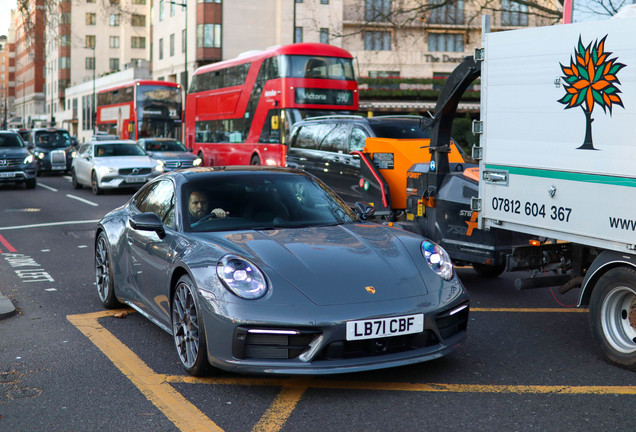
x=29 y=62
x=7 y=77
x=89 y=39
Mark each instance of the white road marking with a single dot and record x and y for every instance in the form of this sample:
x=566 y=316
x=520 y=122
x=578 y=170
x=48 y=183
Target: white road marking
x=50 y=289
x=45 y=250
x=82 y=200
x=47 y=224
x=69 y=178
x=82 y=247
x=47 y=187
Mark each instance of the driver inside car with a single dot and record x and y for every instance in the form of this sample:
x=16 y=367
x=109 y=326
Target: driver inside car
x=198 y=207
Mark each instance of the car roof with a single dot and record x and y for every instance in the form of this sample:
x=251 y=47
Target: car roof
x=49 y=130
x=199 y=173
x=108 y=142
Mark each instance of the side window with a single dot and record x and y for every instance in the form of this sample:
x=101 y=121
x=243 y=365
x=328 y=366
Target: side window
x=160 y=201
x=82 y=149
x=305 y=138
x=142 y=198
x=336 y=139
x=357 y=139
x=269 y=134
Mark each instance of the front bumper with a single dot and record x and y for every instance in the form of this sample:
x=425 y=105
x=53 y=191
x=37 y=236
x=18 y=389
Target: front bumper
x=18 y=175
x=121 y=181
x=320 y=346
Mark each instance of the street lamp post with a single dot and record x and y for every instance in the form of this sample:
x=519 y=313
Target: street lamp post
x=93 y=107
x=185 y=43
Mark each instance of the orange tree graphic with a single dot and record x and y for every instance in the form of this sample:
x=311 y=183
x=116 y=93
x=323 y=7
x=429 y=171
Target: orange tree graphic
x=590 y=80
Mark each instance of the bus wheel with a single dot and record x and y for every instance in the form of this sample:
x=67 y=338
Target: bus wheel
x=255 y=160
x=613 y=316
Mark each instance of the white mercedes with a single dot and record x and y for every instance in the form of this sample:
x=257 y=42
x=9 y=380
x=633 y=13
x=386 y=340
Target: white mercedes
x=112 y=165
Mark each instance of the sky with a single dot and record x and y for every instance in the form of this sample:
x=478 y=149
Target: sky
x=5 y=15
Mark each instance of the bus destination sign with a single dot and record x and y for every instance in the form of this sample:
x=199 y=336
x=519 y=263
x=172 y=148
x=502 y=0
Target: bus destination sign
x=310 y=96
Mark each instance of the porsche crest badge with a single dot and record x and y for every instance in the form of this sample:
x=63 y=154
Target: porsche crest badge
x=370 y=289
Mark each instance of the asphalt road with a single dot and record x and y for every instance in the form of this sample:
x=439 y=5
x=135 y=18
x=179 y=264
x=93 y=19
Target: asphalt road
x=67 y=365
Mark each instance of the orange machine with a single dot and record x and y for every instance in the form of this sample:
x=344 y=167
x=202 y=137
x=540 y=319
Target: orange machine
x=404 y=153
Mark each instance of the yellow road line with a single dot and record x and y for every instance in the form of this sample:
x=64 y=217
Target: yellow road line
x=549 y=310
x=278 y=413
x=179 y=411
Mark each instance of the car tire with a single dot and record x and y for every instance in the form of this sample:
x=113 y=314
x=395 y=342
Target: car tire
x=95 y=185
x=613 y=316
x=76 y=184
x=31 y=183
x=187 y=329
x=488 y=271
x=255 y=160
x=104 y=273
x=38 y=172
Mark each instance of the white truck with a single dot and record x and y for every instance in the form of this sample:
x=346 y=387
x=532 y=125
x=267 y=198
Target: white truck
x=557 y=159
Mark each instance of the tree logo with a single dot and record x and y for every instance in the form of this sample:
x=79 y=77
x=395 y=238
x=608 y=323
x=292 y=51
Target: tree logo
x=591 y=80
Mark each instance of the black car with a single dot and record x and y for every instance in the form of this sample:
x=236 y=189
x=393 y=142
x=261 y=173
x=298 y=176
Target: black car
x=16 y=161
x=52 y=149
x=322 y=146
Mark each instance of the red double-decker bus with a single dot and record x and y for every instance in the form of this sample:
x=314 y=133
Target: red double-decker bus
x=240 y=111
x=141 y=109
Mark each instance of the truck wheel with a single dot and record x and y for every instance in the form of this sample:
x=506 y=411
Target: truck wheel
x=488 y=271
x=613 y=316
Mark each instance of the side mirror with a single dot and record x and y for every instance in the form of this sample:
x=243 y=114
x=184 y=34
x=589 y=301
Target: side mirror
x=148 y=222
x=190 y=149
x=149 y=153
x=364 y=210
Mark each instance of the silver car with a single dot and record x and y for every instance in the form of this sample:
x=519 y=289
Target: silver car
x=112 y=165
x=173 y=154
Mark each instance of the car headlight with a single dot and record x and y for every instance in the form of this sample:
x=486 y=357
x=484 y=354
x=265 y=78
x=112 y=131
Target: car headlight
x=196 y=162
x=28 y=159
x=159 y=166
x=241 y=277
x=103 y=170
x=73 y=154
x=437 y=259
x=41 y=155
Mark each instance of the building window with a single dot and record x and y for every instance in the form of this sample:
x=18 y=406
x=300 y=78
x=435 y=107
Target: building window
x=172 y=9
x=91 y=19
x=183 y=41
x=377 y=41
x=138 y=20
x=324 y=35
x=114 y=42
x=446 y=42
x=64 y=62
x=161 y=5
x=65 y=18
x=324 y=1
x=90 y=1
x=114 y=64
x=65 y=40
x=114 y=20
x=90 y=41
x=513 y=14
x=172 y=45
x=208 y=1
x=90 y=62
x=446 y=13
x=377 y=10
x=298 y=35
x=142 y=2
x=138 y=42
x=384 y=74
x=161 y=49
x=209 y=35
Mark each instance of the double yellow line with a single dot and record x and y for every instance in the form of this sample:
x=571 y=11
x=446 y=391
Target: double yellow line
x=187 y=417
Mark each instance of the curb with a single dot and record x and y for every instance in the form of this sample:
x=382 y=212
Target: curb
x=7 y=309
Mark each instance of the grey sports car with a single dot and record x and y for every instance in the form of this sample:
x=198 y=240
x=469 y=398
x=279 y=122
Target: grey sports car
x=256 y=269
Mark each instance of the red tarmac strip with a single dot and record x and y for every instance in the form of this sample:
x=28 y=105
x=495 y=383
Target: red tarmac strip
x=7 y=245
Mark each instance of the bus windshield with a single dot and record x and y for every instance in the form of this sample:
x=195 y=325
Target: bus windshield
x=302 y=66
x=158 y=111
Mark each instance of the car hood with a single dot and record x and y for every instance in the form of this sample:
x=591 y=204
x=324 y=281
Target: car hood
x=174 y=155
x=126 y=162
x=12 y=152
x=335 y=265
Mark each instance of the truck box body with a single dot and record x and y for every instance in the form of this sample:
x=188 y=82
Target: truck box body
x=541 y=173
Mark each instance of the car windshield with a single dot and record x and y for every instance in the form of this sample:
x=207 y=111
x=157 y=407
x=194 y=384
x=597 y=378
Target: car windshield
x=52 y=139
x=261 y=201
x=10 y=140
x=162 y=146
x=401 y=128
x=123 y=149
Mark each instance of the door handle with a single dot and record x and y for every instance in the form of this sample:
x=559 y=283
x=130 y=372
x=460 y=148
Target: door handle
x=336 y=159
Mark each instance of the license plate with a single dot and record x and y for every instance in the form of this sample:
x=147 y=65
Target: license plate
x=62 y=167
x=385 y=327
x=7 y=174
x=135 y=179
